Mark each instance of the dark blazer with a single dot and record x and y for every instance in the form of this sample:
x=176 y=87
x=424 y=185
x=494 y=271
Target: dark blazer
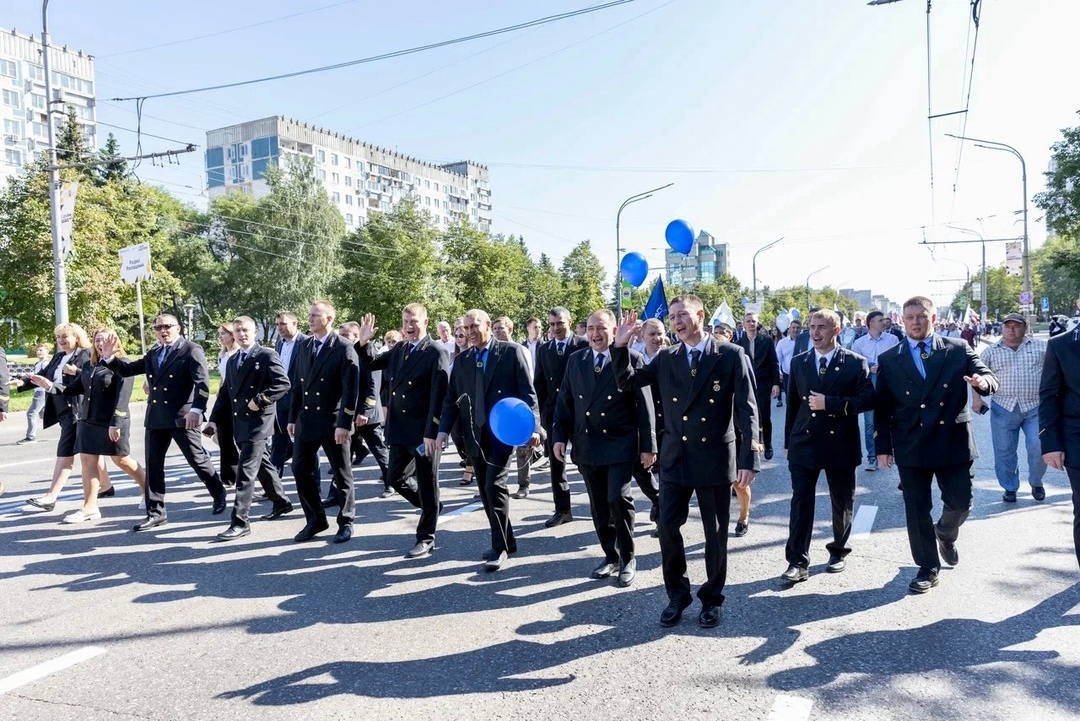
x=105 y=395
x=700 y=412
x=802 y=342
x=5 y=395
x=507 y=376
x=59 y=405
x=368 y=404
x=603 y=424
x=1059 y=398
x=765 y=364
x=179 y=386
x=416 y=388
x=283 y=403
x=263 y=379
x=925 y=423
x=549 y=372
x=325 y=389
x=830 y=438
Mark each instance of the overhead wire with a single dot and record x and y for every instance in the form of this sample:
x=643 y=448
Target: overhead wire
x=976 y=16
x=929 y=114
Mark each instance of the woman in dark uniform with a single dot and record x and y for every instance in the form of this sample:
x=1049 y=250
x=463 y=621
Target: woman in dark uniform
x=104 y=424
x=71 y=354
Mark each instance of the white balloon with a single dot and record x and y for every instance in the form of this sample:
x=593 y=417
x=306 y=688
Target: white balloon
x=783 y=321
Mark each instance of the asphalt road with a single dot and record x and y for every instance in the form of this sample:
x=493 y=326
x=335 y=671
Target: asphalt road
x=101 y=623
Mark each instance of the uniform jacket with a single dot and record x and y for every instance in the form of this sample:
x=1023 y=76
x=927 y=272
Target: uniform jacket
x=105 y=396
x=368 y=404
x=1059 y=398
x=926 y=423
x=282 y=407
x=549 y=372
x=830 y=438
x=765 y=364
x=178 y=386
x=506 y=376
x=261 y=378
x=59 y=405
x=603 y=424
x=416 y=381
x=701 y=412
x=325 y=389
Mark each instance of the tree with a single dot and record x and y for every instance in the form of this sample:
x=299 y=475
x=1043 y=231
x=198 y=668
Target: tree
x=1061 y=199
x=725 y=288
x=543 y=290
x=1056 y=267
x=113 y=167
x=71 y=147
x=485 y=270
x=1002 y=294
x=582 y=281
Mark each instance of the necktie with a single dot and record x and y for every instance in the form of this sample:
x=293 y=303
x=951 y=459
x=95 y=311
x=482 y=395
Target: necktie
x=241 y=358
x=695 y=356
x=599 y=363
x=822 y=364
x=161 y=355
x=315 y=348
x=922 y=350
x=560 y=347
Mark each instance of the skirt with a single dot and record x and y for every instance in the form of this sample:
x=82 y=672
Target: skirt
x=94 y=439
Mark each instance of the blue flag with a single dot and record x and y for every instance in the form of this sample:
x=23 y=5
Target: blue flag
x=657 y=305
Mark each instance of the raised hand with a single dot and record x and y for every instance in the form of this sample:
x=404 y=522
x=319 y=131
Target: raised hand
x=367 y=328
x=108 y=346
x=626 y=329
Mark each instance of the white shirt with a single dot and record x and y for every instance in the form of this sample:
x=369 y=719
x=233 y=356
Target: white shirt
x=828 y=357
x=223 y=363
x=58 y=374
x=785 y=351
x=700 y=346
x=650 y=358
x=449 y=345
x=286 y=352
x=605 y=355
x=871 y=348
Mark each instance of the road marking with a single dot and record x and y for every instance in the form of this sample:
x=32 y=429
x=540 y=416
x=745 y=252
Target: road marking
x=790 y=708
x=468 y=508
x=49 y=667
x=25 y=463
x=863 y=521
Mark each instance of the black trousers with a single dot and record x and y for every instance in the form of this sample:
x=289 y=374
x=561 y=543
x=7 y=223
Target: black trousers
x=801 y=527
x=305 y=466
x=560 y=486
x=1074 y=481
x=955 y=485
x=612 y=508
x=423 y=492
x=714 y=502
x=255 y=465
x=189 y=442
x=646 y=481
x=764 y=401
x=228 y=453
x=491 y=471
x=372 y=442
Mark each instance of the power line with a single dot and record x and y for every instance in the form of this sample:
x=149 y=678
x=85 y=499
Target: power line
x=976 y=15
x=149 y=135
x=393 y=54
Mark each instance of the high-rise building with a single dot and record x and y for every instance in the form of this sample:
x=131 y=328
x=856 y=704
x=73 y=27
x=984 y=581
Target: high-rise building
x=22 y=97
x=707 y=261
x=359 y=177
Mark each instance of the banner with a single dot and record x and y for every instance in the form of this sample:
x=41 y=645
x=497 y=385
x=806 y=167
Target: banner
x=1014 y=259
x=626 y=296
x=135 y=263
x=657 y=305
x=723 y=315
x=66 y=198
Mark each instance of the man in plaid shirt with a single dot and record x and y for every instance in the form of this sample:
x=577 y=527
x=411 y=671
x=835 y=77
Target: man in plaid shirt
x=1017 y=361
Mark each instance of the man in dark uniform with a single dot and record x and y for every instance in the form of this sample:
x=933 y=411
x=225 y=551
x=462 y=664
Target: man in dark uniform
x=828 y=388
x=488 y=372
x=1059 y=414
x=179 y=385
x=610 y=431
x=247 y=400
x=707 y=391
x=416 y=372
x=922 y=423
x=323 y=404
x=550 y=368
x=289 y=339
x=761 y=351
x=367 y=433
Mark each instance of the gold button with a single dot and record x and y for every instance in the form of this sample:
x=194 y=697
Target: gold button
x=711 y=401
x=605 y=430
x=922 y=405
x=685 y=418
x=609 y=398
x=305 y=408
x=944 y=385
x=813 y=415
x=942 y=404
x=587 y=413
x=831 y=433
x=907 y=393
x=602 y=415
x=674 y=400
x=941 y=422
x=703 y=440
x=703 y=420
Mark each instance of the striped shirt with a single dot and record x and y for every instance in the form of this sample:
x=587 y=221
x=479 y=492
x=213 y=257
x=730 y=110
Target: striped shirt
x=1018 y=371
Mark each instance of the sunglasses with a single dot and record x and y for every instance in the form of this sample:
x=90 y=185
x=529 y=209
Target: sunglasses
x=164 y=327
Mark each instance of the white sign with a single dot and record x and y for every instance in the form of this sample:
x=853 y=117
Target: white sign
x=752 y=307
x=66 y=198
x=1014 y=259
x=135 y=263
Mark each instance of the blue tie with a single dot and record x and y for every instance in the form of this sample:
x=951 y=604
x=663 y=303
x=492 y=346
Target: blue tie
x=161 y=355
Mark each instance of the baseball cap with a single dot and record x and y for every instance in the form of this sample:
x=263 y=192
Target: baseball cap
x=1015 y=317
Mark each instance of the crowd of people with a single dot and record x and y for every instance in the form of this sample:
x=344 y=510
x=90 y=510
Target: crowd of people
x=682 y=411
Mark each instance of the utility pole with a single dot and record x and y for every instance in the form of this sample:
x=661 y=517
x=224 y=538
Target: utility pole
x=59 y=272
x=753 y=263
x=618 y=245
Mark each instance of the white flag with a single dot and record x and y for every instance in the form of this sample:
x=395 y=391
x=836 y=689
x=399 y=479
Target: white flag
x=723 y=315
x=66 y=198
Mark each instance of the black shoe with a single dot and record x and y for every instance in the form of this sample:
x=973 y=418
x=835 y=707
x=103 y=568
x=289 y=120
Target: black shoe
x=420 y=550
x=627 y=573
x=308 y=532
x=330 y=502
x=558 y=519
x=1009 y=496
x=344 y=533
x=107 y=493
x=604 y=570
x=219 y=506
x=923 y=582
x=495 y=561
x=779 y=404
x=768 y=457
x=41 y=505
x=673 y=613
x=278 y=511
x=742 y=528
x=836 y=564
x=441 y=507
x=709 y=616
x=228 y=483
x=655 y=533
x=150 y=522
x=794 y=574
x=948 y=552
x=654 y=513
x=521 y=492
x=1038 y=493
x=234 y=532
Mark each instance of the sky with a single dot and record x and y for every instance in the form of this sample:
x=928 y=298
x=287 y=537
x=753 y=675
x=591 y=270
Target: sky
x=802 y=120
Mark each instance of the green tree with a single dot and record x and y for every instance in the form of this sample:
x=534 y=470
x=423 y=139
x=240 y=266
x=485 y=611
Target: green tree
x=1002 y=293
x=113 y=167
x=582 y=281
x=485 y=270
x=1061 y=199
x=543 y=290
x=71 y=146
x=1056 y=266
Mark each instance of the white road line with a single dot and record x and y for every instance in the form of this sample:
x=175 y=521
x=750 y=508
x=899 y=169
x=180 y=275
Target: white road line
x=790 y=708
x=49 y=667
x=49 y=459
x=863 y=521
x=469 y=508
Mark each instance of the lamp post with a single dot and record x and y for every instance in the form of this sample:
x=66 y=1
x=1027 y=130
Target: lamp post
x=994 y=145
x=60 y=300
x=983 y=305
x=753 y=270
x=812 y=274
x=189 y=309
x=618 y=244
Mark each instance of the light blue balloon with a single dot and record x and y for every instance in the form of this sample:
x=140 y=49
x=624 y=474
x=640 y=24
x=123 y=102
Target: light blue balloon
x=795 y=314
x=680 y=236
x=634 y=269
x=512 y=421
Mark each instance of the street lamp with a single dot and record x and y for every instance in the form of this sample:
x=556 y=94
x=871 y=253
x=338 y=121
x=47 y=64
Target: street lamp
x=983 y=306
x=618 y=244
x=753 y=270
x=994 y=145
x=59 y=273
x=808 y=285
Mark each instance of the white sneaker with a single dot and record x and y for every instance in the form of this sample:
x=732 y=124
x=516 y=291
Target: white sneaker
x=142 y=504
x=81 y=516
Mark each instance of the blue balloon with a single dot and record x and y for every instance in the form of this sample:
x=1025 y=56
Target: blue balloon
x=634 y=269
x=680 y=236
x=512 y=421
x=795 y=314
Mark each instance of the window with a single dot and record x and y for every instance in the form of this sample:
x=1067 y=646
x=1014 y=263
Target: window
x=7 y=67
x=36 y=72
x=39 y=102
x=427 y=201
x=336 y=197
x=320 y=156
x=374 y=168
x=446 y=205
x=348 y=162
x=335 y=178
x=427 y=184
x=436 y=187
x=13 y=157
x=348 y=199
x=13 y=127
x=39 y=130
x=348 y=181
x=349 y=218
x=11 y=98
x=333 y=159
x=321 y=175
x=258 y=168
